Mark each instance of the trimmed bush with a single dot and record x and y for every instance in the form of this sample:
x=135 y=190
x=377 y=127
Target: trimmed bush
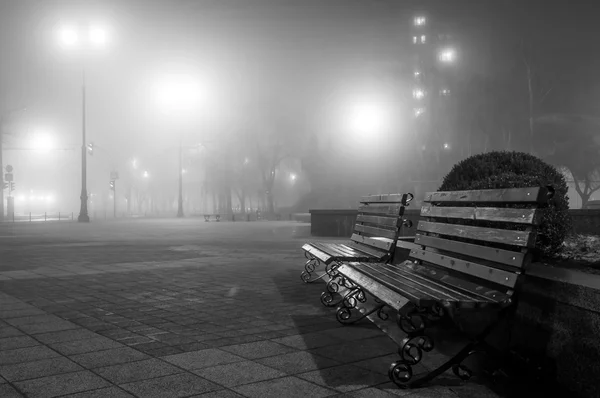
x=498 y=170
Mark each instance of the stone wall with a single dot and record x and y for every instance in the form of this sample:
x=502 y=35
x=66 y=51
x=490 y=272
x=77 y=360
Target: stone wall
x=340 y=223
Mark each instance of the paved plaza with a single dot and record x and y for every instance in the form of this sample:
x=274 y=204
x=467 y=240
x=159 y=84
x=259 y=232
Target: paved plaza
x=180 y=308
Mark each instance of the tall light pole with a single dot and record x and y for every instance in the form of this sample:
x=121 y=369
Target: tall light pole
x=71 y=38
x=2 y=119
x=178 y=95
x=180 y=199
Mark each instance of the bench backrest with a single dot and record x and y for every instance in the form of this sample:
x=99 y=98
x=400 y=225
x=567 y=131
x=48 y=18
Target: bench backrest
x=380 y=216
x=479 y=240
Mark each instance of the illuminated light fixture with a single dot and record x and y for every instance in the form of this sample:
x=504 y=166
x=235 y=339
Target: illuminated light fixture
x=98 y=35
x=415 y=39
x=446 y=145
x=417 y=73
x=447 y=55
x=68 y=36
x=423 y=39
x=419 y=112
x=146 y=175
x=293 y=177
x=418 y=93
x=420 y=21
x=445 y=92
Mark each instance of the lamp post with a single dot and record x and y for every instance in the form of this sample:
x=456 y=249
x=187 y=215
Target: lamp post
x=178 y=94
x=2 y=119
x=70 y=38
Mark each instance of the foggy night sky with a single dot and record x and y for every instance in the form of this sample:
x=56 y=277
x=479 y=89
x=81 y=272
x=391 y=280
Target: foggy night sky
x=264 y=59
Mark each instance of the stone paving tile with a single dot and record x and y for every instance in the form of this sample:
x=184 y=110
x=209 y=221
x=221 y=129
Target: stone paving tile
x=258 y=349
x=6 y=313
x=33 y=319
x=65 y=335
x=358 y=350
x=167 y=350
x=82 y=346
x=289 y=387
x=10 y=343
x=41 y=368
x=219 y=394
x=27 y=354
x=297 y=362
x=109 y=392
x=8 y=391
x=378 y=392
x=202 y=359
x=108 y=357
x=308 y=341
x=54 y=326
x=344 y=378
x=136 y=371
x=238 y=373
x=10 y=331
x=179 y=385
x=68 y=383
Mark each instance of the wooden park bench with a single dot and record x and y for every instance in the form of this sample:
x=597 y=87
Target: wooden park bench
x=374 y=238
x=470 y=255
x=207 y=217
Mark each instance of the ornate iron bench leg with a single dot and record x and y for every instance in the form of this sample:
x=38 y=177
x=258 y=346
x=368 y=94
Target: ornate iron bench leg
x=411 y=353
x=356 y=303
x=309 y=267
x=338 y=288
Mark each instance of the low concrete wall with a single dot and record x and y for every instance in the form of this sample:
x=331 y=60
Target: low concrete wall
x=341 y=222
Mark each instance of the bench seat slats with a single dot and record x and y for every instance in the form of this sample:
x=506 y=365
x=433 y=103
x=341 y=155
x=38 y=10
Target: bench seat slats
x=406 y=283
x=384 y=221
x=365 y=240
x=373 y=252
x=507 y=257
x=516 y=238
x=328 y=252
x=518 y=216
x=501 y=277
x=512 y=195
x=381 y=209
x=339 y=250
x=384 y=233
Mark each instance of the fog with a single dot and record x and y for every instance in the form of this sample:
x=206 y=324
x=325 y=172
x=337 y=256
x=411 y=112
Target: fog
x=285 y=105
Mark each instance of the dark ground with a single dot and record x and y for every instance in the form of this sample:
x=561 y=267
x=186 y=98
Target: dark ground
x=179 y=308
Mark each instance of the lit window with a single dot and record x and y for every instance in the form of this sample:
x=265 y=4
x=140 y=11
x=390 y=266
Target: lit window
x=445 y=92
x=446 y=145
x=420 y=21
x=418 y=93
x=423 y=39
x=419 y=111
x=448 y=55
x=417 y=73
x=414 y=39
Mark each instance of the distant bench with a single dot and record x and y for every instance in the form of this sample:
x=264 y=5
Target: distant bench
x=379 y=216
x=470 y=253
x=216 y=217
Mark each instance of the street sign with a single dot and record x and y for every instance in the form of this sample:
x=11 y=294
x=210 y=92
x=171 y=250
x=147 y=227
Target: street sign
x=114 y=175
x=8 y=176
x=9 y=168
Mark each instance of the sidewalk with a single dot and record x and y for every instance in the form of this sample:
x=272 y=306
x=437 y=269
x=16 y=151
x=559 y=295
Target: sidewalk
x=179 y=308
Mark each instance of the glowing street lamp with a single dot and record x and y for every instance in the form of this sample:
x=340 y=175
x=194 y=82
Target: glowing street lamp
x=293 y=177
x=367 y=117
x=72 y=37
x=42 y=142
x=146 y=174
x=447 y=55
x=179 y=93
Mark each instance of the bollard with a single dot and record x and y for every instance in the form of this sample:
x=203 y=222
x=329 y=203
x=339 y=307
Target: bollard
x=290 y=216
x=59 y=216
x=29 y=216
x=248 y=217
x=233 y=217
x=72 y=216
x=45 y=218
x=13 y=216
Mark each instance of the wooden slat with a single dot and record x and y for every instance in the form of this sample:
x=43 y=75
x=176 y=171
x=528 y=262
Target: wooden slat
x=322 y=256
x=516 y=238
x=501 y=277
x=381 y=209
x=501 y=256
x=406 y=244
x=373 y=252
x=378 y=243
x=512 y=195
x=383 y=221
x=517 y=216
x=389 y=198
x=443 y=276
x=388 y=296
x=385 y=233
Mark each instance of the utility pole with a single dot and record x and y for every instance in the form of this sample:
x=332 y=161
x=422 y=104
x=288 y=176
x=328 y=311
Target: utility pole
x=115 y=200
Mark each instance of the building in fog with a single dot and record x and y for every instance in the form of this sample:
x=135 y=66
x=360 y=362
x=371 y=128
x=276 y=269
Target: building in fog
x=432 y=58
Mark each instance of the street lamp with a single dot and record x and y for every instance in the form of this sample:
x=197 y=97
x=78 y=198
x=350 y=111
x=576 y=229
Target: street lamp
x=447 y=55
x=175 y=94
x=71 y=38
